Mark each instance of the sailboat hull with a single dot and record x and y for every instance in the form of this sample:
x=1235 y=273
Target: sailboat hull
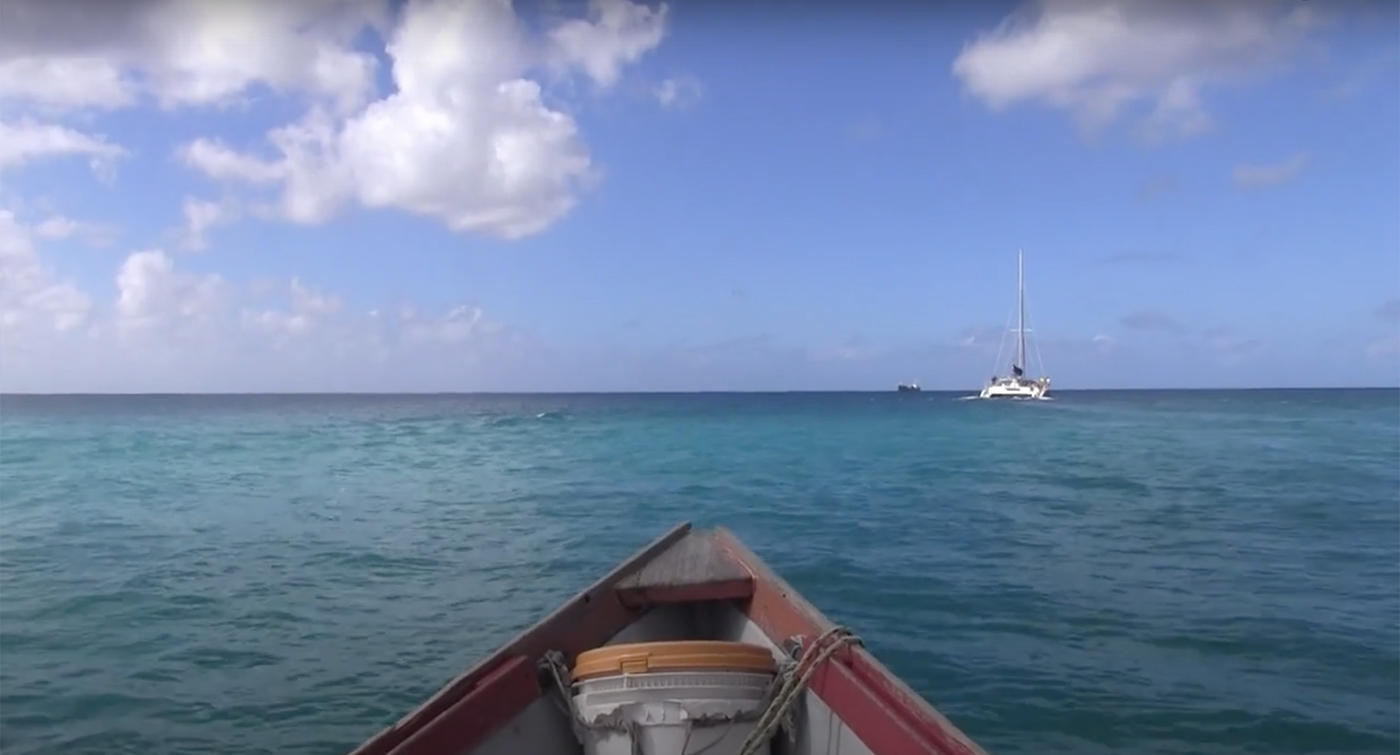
x=1016 y=389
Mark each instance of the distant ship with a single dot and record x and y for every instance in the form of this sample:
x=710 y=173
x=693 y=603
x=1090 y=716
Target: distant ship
x=909 y=388
x=1017 y=385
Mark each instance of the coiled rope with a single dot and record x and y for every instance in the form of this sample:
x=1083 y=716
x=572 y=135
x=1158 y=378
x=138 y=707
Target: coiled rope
x=793 y=682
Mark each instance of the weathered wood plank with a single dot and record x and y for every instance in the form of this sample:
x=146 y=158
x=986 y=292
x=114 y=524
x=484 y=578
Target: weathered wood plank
x=693 y=560
x=704 y=592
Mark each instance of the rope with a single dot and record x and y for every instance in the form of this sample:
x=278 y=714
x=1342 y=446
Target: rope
x=794 y=681
x=1001 y=342
x=556 y=666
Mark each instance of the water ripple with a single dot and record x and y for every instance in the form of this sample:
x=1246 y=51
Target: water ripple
x=290 y=574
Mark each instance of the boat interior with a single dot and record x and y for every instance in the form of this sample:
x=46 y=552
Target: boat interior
x=544 y=728
x=687 y=585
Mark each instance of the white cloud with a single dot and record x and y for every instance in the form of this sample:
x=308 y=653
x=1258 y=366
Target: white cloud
x=160 y=325
x=172 y=329
x=58 y=56
x=1267 y=176
x=306 y=312
x=618 y=32
x=678 y=92
x=57 y=227
x=25 y=141
x=31 y=298
x=202 y=215
x=209 y=53
x=66 y=82
x=75 y=53
x=459 y=325
x=1095 y=58
x=218 y=161
x=153 y=295
x=466 y=137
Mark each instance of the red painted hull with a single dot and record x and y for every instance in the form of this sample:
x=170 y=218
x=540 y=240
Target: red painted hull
x=876 y=706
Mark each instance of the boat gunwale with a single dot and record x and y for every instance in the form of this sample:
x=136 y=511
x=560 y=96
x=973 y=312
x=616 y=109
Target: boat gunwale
x=916 y=723
x=431 y=710
x=876 y=705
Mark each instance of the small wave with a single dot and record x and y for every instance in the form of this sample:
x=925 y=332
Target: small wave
x=213 y=658
x=511 y=420
x=1113 y=570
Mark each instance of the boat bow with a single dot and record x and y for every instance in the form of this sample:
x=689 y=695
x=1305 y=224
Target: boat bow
x=685 y=585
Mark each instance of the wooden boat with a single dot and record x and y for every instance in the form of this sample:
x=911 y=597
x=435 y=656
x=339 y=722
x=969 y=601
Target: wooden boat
x=686 y=585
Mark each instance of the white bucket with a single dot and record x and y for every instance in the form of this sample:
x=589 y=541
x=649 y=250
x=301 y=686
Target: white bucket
x=671 y=712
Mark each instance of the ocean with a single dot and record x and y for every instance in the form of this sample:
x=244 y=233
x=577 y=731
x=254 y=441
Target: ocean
x=1194 y=572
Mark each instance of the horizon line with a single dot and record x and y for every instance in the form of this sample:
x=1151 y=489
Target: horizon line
x=4 y=394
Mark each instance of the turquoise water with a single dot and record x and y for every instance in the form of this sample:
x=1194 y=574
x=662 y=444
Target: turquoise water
x=1194 y=572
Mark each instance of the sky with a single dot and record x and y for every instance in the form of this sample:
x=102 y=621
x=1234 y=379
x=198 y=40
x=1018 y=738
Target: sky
x=475 y=195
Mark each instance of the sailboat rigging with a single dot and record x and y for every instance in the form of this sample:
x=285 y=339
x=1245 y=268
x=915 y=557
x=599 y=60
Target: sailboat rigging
x=1017 y=385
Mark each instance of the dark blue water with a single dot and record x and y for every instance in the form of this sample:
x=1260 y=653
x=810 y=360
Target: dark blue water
x=1158 y=572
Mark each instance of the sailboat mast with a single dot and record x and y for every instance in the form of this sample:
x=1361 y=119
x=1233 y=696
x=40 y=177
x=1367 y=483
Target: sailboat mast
x=1021 y=313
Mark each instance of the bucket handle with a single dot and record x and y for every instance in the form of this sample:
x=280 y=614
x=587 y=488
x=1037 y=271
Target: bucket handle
x=635 y=663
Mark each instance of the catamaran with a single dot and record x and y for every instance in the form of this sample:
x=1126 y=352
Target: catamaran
x=1018 y=385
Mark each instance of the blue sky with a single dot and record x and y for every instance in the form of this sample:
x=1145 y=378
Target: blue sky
x=344 y=195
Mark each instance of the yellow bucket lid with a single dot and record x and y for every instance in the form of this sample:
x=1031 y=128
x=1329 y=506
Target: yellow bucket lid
x=693 y=655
